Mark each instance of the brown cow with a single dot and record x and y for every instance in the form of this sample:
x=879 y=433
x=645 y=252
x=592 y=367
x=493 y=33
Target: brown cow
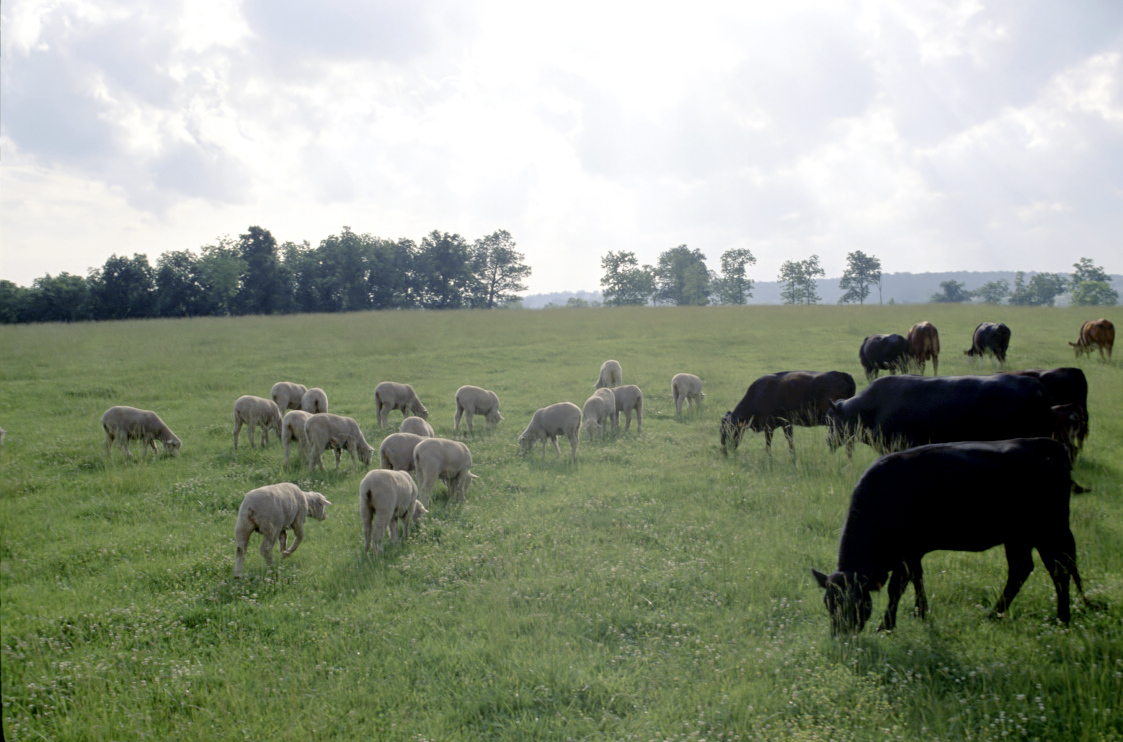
x=924 y=343
x=1097 y=332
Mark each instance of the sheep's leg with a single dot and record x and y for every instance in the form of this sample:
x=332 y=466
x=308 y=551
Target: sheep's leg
x=1019 y=559
x=557 y=448
x=468 y=415
x=678 y=404
x=237 y=430
x=639 y=420
x=573 y=444
x=298 y=531
x=285 y=441
x=241 y=541
x=267 y=542
x=264 y=434
x=283 y=538
x=456 y=420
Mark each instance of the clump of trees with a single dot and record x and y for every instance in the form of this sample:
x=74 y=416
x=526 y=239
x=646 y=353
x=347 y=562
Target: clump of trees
x=1088 y=285
x=680 y=278
x=254 y=275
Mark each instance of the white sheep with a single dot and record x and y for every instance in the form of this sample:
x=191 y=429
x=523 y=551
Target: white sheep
x=253 y=411
x=272 y=510
x=629 y=399
x=390 y=395
x=610 y=375
x=563 y=418
x=471 y=400
x=688 y=388
x=396 y=451
x=448 y=460
x=292 y=429
x=315 y=400
x=287 y=395
x=128 y=423
x=387 y=498
x=417 y=426
x=599 y=409
x=340 y=434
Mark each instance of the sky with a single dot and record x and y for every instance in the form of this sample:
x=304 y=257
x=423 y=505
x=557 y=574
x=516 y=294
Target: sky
x=936 y=136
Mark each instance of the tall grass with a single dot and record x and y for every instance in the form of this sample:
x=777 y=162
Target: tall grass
x=654 y=590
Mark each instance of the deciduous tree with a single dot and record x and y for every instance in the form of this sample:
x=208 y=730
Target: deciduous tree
x=951 y=292
x=862 y=272
x=625 y=282
x=734 y=286
x=681 y=278
x=499 y=269
x=798 y=279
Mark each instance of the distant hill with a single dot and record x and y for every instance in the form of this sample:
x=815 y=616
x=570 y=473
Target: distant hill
x=902 y=288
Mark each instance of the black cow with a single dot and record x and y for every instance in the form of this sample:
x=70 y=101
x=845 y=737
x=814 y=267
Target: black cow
x=960 y=497
x=782 y=400
x=884 y=352
x=990 y=337
x=1066 y=386
x=896 y=412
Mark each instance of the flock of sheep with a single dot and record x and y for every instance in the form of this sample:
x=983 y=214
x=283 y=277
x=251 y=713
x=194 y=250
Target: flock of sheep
x=389 y=497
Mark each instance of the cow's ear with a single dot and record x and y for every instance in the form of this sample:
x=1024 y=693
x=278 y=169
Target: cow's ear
x=820 y=578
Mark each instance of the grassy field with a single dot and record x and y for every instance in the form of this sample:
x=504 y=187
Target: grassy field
x=656 y=590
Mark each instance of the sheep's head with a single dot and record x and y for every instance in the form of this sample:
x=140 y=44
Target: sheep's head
x=172 y=444
x=417 y=511
x=317 y=505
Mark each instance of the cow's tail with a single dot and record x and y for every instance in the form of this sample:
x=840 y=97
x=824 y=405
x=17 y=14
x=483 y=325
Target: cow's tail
x=1078 y=490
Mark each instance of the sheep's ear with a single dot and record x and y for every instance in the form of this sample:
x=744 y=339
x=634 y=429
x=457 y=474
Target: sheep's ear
x=326 y=500
x=820 y=578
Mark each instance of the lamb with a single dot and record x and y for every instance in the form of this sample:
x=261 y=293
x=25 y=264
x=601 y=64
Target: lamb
x=387 y=498
x=315 y=400
x=338 y=432
x=610 y=375
x=563 y=418
x=417 y=426
x=292 y=428
x=272 y=510
x=390 y=395
x=449 y=460
x=396 y=451
x=126 y=423
x=598 y=409
x=253 y=411
x=287 y=395
x=471 y=400
x=629 y=399
x=686 y=388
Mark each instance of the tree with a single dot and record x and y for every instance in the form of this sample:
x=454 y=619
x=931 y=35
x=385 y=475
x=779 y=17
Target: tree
x=14 y=302
x=343 y=279
x=862 y=272
x=992 y=292
x=798 y=278
x=122 y=289
x=681 y=278
x=221 y=269
x=734 y=287
x=64 y=298
x=263 y=283
x=443 y=271
x=179 y=287
x=1042 y=290
x=498 y=268
x=625 y=282
x=951 y=292
x=1091 y=285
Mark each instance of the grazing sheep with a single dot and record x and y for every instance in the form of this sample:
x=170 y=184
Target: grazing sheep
x=287 y=395
x=127 y=423
x=272 y=510
x=686 y=388
x=390 y=395
x=338 y=432
x=315 y=400
x=253 y=411
x=449 y=460
x=563 y=418
x=598 y=409
x=471 y=400
x=610 y=375
x=387 y=498
x=396 y=451
x=628 y=399
x=292 y=429
x=417 y=426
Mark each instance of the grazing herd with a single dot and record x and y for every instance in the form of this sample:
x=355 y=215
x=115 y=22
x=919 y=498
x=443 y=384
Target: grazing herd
x=968 y=462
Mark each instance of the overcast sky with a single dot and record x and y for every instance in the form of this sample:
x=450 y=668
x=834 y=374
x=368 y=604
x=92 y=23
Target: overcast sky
x=937 y=136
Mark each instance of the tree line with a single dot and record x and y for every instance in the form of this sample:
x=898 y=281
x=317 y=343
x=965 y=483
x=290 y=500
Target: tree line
x=1088 y=285
x=254 y=275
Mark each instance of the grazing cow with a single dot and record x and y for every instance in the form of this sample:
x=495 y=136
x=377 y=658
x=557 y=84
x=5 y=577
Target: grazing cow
x=1067 y=386
x=897 y=412
x=990 y=337
x=884 y=352
x=924 y=344
x=967 y=496
x=1097 y=332
x=782 y=400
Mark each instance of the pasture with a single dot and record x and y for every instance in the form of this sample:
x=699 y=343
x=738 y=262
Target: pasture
x=655 y=590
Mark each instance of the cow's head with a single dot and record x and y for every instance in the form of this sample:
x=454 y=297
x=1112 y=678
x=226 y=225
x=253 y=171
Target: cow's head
x=730 y=431
x=1068 y=422
x=837 y=432
x=848 y=601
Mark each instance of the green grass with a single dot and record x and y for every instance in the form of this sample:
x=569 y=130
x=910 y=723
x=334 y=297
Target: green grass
x=655 y=590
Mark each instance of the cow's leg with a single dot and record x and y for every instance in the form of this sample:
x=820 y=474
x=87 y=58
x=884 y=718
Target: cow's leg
x=789 y=433
x=916 y=574
x=1019 y=560
x=1060 y=582
x=768 y=441
x=897 y=582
